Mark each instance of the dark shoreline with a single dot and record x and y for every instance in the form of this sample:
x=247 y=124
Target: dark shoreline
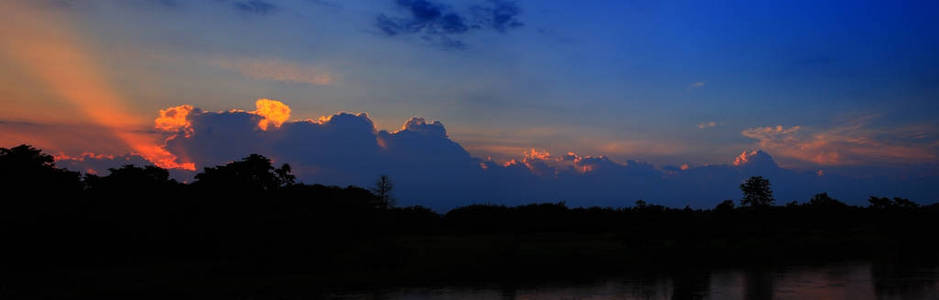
x=246 y=227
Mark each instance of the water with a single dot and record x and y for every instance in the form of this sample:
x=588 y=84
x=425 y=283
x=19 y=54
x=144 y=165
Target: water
x=841 y=281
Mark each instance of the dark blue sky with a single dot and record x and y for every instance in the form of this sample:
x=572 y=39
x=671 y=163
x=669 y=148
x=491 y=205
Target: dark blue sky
x=839 y=86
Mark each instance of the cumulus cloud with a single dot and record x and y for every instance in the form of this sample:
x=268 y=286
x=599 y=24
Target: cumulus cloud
x=848 y=144
x=441 y=24
x=174 y=119
x=276 y=70
x=45 y=48
x=431 y=169
x=272 y=112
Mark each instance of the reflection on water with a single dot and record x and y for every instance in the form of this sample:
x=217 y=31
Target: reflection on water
x=843 y=281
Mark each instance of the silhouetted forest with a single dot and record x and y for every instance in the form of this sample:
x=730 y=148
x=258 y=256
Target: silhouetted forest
x=249 y=222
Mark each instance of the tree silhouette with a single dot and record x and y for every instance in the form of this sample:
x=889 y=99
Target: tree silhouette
x=822 y=200
x=130 y=178
x=382 y=191
x=879 y=203
x=756 y=192
x=885 y=203
x=24 y=168
x=904 y=203
x=725 y=205
x=253 y=173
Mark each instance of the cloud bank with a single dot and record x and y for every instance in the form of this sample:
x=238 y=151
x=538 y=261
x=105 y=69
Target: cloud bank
x=850 y=144
x=431 y=169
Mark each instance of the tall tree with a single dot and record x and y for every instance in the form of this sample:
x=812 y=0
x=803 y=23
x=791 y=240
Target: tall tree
x=382 y=191
x=756 y=192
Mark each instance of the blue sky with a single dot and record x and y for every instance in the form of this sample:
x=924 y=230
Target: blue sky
x=818 y=84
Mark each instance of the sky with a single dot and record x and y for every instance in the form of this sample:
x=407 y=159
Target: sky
x=822 y=89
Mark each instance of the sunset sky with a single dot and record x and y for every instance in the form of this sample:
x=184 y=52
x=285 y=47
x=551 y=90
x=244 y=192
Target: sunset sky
x=822 y=86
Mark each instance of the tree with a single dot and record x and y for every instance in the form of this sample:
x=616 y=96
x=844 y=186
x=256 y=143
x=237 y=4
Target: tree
x=726 y=205
x=253 y=173
x=879 y=202
x=27 y=169
x=885 y=203
x=824 y=201
x=132 y=179
x=904 y=203
x=382 y=191
x=756 y=192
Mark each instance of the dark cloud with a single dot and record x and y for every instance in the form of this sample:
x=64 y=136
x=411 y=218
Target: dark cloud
x=499 y=15
x=442 y=25
x=254 y=6
x=430 y=169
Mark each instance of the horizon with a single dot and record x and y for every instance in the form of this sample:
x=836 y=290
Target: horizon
x=511 y=101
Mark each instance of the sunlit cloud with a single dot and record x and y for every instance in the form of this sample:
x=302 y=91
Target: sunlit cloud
x=848 y=144
x=276 y=70
x=175 y=119
x=45 y=48
x=274 y=113
x=542 y=163
x=745 y=157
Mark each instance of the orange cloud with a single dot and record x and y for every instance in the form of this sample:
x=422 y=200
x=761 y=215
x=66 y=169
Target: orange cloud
x=850 y=144
x=542 y=162
x=175 y=119
x=274 y=113
x=743 y=158
x=46 y=48
x=535 y=154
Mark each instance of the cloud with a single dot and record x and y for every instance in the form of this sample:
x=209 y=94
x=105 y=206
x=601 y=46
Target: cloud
x=636 y=147
x=254 y=6
x=74 y=138
x=441 y=24
x=696 y=84
x=273 y=112
x=431 y=169
x=174 y=119
x=499 y=15
x=710 y=124
x=848 y=144
x=276 y=70
x=56 y=57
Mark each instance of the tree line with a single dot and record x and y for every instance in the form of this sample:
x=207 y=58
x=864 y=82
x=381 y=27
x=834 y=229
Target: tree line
x=252 y=215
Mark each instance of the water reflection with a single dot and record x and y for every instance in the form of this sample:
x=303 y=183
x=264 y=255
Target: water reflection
x=842 y=281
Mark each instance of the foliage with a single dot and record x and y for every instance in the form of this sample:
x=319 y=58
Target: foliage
x=756 y=192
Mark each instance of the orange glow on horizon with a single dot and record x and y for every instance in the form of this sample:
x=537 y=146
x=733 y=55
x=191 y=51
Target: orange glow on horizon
x=50 y=52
